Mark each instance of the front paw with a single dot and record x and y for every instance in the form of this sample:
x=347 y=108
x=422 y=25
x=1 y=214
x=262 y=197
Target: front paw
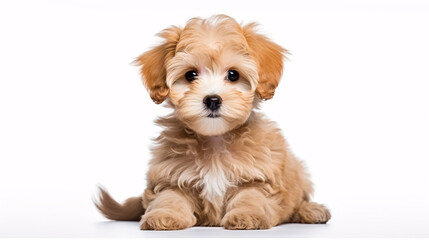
x=166 y=220
x=240 y=219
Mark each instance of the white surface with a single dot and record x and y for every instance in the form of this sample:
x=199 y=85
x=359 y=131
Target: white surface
x=353 y=103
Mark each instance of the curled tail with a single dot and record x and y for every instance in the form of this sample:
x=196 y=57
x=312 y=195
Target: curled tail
x=130 y=210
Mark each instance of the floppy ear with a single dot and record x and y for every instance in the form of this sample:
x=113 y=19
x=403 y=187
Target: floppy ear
x=153 y=63
x=269 y=58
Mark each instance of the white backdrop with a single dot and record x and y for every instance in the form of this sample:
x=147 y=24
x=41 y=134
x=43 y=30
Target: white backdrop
x=353 y=104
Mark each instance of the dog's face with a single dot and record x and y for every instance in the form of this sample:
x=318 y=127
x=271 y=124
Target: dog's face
x=213 y=72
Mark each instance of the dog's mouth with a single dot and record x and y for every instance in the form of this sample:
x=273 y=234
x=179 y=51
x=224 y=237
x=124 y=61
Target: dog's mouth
x=213 y=115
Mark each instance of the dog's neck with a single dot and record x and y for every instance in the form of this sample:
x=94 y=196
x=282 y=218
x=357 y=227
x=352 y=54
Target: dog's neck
x=215 y=140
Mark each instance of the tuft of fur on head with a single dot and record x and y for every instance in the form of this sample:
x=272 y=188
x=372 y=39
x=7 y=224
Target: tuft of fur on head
x=212 y=47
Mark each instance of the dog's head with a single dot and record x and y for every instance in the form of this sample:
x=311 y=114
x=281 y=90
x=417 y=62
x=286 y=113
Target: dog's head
x=213 y=71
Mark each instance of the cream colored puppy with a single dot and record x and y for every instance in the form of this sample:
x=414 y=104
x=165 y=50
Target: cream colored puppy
x=217 y=161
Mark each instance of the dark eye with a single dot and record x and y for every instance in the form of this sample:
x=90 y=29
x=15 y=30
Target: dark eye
x=191 y=75
x=233 y=75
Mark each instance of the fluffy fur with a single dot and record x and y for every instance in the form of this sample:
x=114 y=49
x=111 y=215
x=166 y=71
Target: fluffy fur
x=234 y=170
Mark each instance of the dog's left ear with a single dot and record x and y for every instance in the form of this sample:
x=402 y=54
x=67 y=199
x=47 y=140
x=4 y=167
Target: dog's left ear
x=153 y=63
x=269 y=57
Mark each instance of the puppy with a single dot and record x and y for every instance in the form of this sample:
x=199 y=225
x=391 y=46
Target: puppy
x=217 y=162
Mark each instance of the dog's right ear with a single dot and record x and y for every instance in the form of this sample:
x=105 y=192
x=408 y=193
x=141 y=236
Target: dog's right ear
x=153 y=63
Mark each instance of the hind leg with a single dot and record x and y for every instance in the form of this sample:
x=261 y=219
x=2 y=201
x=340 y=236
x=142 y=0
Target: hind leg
x=311 y=212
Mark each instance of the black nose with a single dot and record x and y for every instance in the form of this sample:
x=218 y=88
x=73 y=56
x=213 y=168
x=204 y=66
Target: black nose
x=212 y=102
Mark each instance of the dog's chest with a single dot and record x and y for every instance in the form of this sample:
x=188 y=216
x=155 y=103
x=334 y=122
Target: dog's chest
x=215 y=175
x=214 y=183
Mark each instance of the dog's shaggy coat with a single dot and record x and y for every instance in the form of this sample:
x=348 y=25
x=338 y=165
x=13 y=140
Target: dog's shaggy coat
x=229 y=168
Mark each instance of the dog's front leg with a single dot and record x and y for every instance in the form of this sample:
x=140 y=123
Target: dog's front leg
x=250 y=208
x=169 y=210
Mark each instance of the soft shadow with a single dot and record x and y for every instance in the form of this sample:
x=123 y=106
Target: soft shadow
x=131 y=229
